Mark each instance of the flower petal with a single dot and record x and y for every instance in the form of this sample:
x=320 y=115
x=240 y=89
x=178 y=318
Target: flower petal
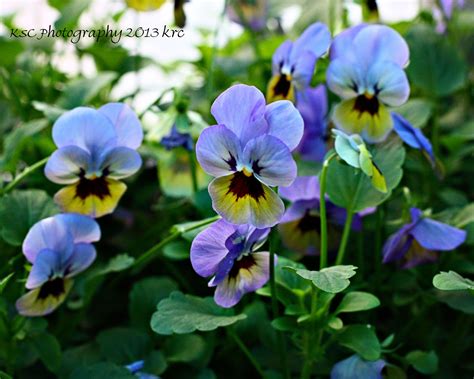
x=412 y=136
x=66 y=163
x=397 y=245
x=355 y=367
x=126 y=123
x=121 y=162
x=270 y=160
x=303 y=188
x=208 y=248
x=372 y=127
x=92 y=200
x=245 y=200
x=345 y=78
x=86 y=128
x=38 y=302
x=46 y=264
x=285 y=122
x=218 y=150
x=434 y=235
x=390 y=81
x=315 y=39
x=82 y=257
x=253 y=274
x=342 y=43
x=82 y=228
x=47 y=234
x=298 y=238
x=281 y=56
x=241 y=109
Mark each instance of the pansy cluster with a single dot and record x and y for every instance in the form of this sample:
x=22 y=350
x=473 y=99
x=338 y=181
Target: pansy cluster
x=96 y=148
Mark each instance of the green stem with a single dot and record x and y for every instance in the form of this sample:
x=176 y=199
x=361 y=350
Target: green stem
x=27 y=171
x=322 y=212
x=153 y=251
x=378 y=242
x=246 y=351
x=345 y=237
x=193 y=169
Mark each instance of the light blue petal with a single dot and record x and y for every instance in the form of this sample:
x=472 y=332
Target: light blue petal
x=218 y=150
x=83 y=229
x=303 y=188
x=345 y=149
x=281 y=56
x=303 y=69
x=241 y=109
x=342 y=43
x=315 y=39
x=65 y=164
x=345 y=79
x=82 y=257
x=125 y=121
x=390 y=81
x=270 y=160
x=121 y=162
x=86 y=128
x=434 y=235
x=355 y=367
x=47 y=264
x=285 y=122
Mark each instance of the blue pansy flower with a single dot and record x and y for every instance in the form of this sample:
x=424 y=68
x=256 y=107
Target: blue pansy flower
x=355 y=367
x=249 y=151
x=313 y=106
x=58 y=248
x=96 y=148
x=300 y=225
x=227 y=252
x=177 y=139
x=293 y=62
x=417 y=241
x=136 y=367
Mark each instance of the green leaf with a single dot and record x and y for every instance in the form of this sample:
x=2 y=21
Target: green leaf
x=177 y=250
x=352 y=189
x=144 y=296
x=101 y=371
x=416 y=111
x=116 y=264
x=51 y=112
x=357 y=301
x=184 y=348
x=23 y=209
x=331 y=279
x=335 y=323
x=426 y=363
x=70 y=10
x=394 y=372
x=49 y=350
x=362 y=340
x=183 y=314
x=460 y=300
x=123 y=345
x=436 y=65
x=82 y=90
x=155 y=363
x=4 y=375
x=464 y=217
x=451 y=281
x=285 y=324
x=4 y=281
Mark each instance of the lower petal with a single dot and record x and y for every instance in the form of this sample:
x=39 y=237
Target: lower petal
x=240 y=199
x=373 y=125
x=94 y=198
x=41 y=301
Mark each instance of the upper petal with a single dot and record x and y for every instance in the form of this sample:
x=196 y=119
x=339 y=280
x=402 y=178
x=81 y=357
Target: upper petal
x=389 y=82
x=355 y=367
x=49 y=234
x=241 y=109
x=121 y=162
x=65 y=164
x=434 y=235
x=285 y=122
x=271 y=160
x=302 y=70
x=281 y=56
x=218 y=150
x=315 y=39
x=125 y=121
x=82 y=228
x=344 y=78
x=86 y=128
x=208 y=248
x=342 y=43
x=303 y=188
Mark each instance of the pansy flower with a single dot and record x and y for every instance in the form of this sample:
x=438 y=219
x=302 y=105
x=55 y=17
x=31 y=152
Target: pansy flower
x=58 y=248
x=227 y=252
x=301 y=225
x=249 y=151
x=355 y=367
x=417 y=241
x=445 y=12
x=96 y=148
x=249 y=13
x=293 y=62
x=313 y=106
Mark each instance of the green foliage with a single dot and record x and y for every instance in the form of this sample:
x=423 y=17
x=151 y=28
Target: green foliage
x=357 y=301
x=123 y=345
x=101 y=371
x=183 y=314
x=451 y=281
x=331 y=279
x=49 y=350
x=362 y=340
x=424 y=362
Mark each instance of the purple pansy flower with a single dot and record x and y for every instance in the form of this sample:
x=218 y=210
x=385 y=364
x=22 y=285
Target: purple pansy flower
x=300 y=226
x=293 y=62
x=177 y=139
x=227 y=253
x=355 y=367
x=96 y=148
x=248 y=151
x=58 y=248
x=416 y=242
x=251 y=13
x=313 y=106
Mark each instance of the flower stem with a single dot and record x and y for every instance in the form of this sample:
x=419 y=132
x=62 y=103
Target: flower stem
x=345 y=237
x=27 y=171
x=193 y=169
x=246 y=351
x=322 y=212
